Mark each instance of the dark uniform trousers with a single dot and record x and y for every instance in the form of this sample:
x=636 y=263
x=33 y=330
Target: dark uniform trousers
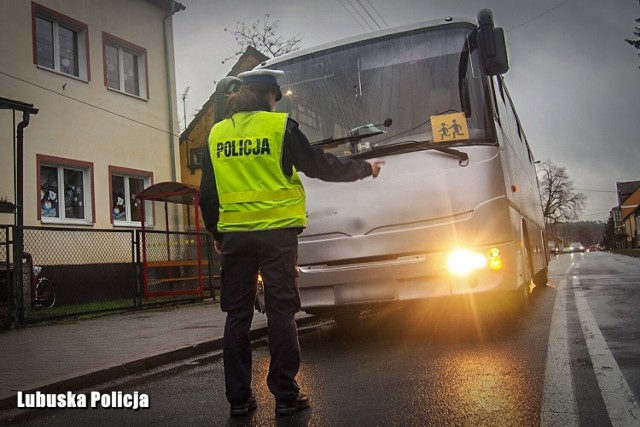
x=275 y=254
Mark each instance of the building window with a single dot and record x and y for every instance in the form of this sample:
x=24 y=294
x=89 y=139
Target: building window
x=195 y=156
x=65 y=191
x=125 y=205
x=60 y=43
x=125 y=66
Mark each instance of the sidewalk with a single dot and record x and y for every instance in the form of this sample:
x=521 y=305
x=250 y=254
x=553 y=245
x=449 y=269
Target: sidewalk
x=82 y=353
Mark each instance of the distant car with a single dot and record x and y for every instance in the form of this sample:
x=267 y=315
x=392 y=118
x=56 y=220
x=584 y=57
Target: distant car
x=576 y=247
x=553 y=248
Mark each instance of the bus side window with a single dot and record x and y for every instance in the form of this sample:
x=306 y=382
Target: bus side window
x=515 y=131
x=523 y=140
x=513 y=117
x=501 y=86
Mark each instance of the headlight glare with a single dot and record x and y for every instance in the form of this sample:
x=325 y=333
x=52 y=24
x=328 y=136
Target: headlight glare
x=461 y=262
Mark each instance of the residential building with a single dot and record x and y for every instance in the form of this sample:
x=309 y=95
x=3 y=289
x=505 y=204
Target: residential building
x=629 y=203
x=193 y=140
x=101 y=74
x=619 y=235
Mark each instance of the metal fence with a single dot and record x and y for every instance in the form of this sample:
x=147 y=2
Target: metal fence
x=92 y=270
x=7 y=303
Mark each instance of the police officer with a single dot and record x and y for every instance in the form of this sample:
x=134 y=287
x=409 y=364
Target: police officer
x=253 y=203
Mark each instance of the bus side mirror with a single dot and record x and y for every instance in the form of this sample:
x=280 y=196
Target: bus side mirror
x=224 y=88
x=493 y=48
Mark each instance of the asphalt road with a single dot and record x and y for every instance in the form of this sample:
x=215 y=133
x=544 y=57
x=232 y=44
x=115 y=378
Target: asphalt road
x=602 y=294
x=441 y=364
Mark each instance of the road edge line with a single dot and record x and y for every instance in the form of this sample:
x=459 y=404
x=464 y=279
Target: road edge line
x=622 y=408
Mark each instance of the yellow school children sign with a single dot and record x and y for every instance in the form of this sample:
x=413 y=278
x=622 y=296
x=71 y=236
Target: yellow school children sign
x=449 y=127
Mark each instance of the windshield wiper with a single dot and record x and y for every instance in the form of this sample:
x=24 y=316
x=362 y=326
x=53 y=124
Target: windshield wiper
x=411 y=145
x=464 y=157
x=356 y=134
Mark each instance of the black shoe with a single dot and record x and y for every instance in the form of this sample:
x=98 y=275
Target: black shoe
x=242 y=409
x=290 y=408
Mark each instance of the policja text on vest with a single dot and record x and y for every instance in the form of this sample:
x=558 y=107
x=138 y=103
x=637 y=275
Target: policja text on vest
x=243 y=148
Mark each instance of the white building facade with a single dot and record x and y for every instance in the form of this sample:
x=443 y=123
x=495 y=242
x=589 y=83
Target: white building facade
x=101 y=74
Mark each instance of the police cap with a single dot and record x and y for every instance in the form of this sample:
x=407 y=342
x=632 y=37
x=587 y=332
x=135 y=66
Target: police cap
x=264 y=76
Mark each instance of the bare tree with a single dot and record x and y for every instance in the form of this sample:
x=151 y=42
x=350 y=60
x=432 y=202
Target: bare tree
x=263 y=36
x=560 y=202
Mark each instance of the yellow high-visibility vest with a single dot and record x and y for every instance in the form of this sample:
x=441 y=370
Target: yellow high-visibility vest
x=254 y=193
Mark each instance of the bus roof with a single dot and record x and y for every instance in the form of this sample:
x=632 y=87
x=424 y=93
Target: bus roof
x=366 y=36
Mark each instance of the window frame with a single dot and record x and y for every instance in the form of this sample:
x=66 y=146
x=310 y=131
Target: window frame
x=196 y=156
x=128 y=173
x=61 y=164
x=60 y=20
x=618 y=215
x=141 y=56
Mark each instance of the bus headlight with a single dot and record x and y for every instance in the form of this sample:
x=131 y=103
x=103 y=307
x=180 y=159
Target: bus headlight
x=462 y=261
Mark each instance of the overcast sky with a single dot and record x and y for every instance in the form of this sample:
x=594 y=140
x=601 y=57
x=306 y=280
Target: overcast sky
x=573 y=79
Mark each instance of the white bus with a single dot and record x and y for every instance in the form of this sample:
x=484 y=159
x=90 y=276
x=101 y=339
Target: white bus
x=456 y=209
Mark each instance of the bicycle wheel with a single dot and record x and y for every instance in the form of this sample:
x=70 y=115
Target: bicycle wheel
x=46 y=293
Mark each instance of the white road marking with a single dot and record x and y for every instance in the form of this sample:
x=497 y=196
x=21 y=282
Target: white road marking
x=617 y=395
x=559 y=406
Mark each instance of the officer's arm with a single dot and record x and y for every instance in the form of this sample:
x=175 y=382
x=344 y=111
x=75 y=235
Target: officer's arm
x=209 y=202
x=315 y=163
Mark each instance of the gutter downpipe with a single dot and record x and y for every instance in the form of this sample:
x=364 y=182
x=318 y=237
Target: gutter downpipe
x=18 y=238
x=168 y=68
x=20 y=172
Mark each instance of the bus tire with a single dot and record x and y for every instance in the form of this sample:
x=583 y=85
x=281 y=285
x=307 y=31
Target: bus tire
x=541 y=278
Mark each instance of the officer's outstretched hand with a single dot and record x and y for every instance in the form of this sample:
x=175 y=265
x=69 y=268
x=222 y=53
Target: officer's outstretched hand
x=376 y=165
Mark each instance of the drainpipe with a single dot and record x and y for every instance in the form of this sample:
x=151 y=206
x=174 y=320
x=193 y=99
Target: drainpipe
x=18 y=236
x=16 y=312
x=174 y=7
x=167 y=63
x=20 y=170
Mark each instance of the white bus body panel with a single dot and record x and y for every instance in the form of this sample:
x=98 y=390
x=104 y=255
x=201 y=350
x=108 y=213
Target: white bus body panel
x=388 y=238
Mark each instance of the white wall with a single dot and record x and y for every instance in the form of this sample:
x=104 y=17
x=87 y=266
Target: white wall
x=83 y=120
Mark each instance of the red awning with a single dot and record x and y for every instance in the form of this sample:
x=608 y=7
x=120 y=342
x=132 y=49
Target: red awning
x=172 y=192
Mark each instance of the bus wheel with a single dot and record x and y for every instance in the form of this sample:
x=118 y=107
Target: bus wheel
x=541 y=278
x=521 y=295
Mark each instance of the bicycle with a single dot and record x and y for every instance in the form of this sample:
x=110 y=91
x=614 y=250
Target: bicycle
x=43 y=293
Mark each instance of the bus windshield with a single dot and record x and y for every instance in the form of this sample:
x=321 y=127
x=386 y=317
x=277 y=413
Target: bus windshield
x=410 y=78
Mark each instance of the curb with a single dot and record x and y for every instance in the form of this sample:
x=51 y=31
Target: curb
x=146 y=363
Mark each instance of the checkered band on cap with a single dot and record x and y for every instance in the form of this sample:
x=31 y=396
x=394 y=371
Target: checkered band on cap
x=264 y=76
